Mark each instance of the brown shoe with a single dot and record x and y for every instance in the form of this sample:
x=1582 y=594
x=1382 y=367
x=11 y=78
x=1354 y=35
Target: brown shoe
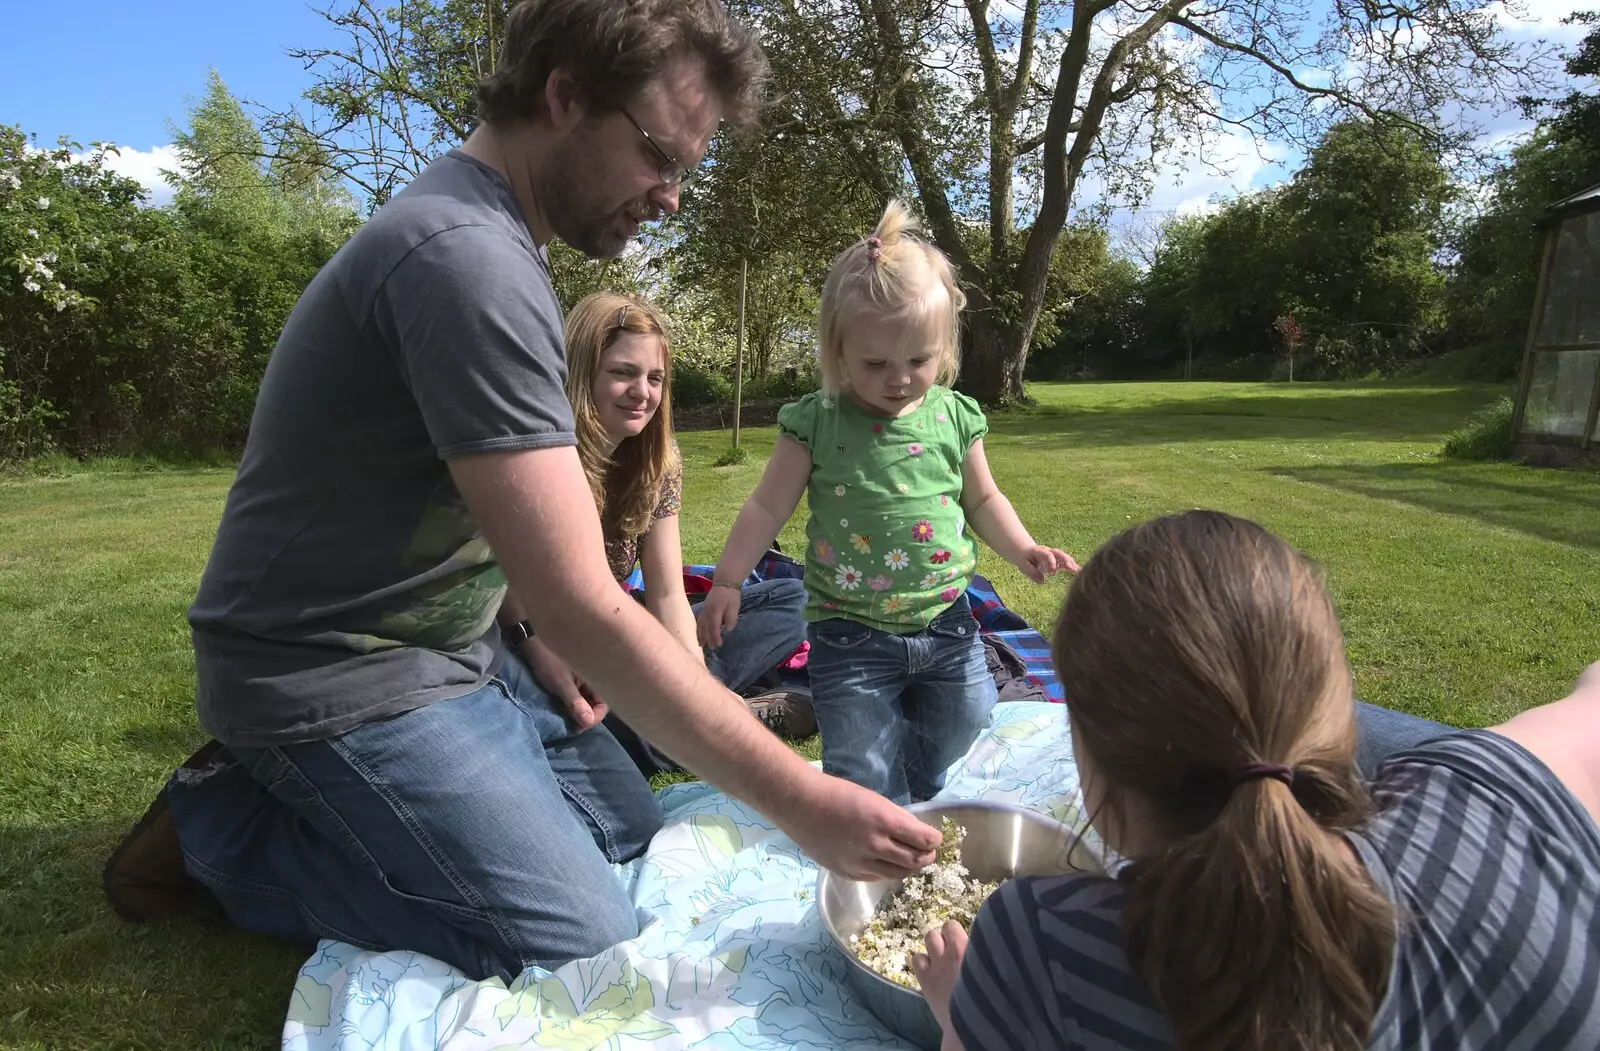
x=144 y=879
x=786 y=711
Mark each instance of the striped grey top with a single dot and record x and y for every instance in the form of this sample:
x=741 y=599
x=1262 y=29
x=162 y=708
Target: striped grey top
x=1493 y=862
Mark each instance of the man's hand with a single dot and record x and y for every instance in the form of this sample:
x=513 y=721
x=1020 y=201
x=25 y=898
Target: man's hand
x=1039 y=562
x=719 y=613
x=561 y=682
x=937 y=970
x=857 y=833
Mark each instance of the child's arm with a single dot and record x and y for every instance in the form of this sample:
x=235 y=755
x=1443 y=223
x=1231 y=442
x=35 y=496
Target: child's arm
x=995 y=521
x=936 y=972
x=769 y=507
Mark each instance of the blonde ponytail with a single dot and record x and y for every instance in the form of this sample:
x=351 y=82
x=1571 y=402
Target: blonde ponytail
x=890 y=273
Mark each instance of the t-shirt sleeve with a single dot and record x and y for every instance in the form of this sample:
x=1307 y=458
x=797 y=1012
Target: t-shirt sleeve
x=477 y=333
x=971 y=423
x=798 y=419
x=1001 y=998
x=671 y=492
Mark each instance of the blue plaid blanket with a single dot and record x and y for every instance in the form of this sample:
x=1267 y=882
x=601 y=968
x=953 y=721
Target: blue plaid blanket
x=994 y=616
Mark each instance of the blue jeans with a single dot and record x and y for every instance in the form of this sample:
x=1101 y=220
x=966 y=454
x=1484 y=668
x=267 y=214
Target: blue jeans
x=895 y=711
x=770 y=626
x=479 y=830
x=1380 y=732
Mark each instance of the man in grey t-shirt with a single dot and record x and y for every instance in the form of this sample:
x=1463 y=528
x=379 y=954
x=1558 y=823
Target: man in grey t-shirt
x=389 y=773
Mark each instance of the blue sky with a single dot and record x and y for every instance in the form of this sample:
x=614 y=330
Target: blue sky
x=120 y=71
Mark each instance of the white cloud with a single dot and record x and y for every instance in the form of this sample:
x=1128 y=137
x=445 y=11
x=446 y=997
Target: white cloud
x=1236 y=161
x=144 y=167
x=1545 y=15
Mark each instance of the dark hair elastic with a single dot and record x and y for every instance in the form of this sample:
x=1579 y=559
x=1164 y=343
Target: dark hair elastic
x=1276 y=771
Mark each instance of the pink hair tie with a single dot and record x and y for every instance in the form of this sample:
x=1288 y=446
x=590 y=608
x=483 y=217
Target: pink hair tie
x=874 y=247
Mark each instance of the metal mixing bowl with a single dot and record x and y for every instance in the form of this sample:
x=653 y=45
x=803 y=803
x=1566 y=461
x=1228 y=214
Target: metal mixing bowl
x=1002 y=841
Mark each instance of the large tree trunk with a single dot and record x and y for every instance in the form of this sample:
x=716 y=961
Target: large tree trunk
x=992 y=360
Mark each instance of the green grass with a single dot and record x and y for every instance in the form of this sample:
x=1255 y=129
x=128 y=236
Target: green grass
x=1486 y=436
x=1468 y=591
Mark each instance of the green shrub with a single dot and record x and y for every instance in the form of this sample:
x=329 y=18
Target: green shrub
x=787 y=384
x=693 y=385
x=1493 y=362
x=735 y=454
x=1487 y=435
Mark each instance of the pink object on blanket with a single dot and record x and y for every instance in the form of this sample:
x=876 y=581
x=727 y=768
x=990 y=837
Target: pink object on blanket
x=797 y=659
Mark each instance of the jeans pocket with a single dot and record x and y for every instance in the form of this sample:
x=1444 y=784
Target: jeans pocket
x=955 y=624
x=840 y=634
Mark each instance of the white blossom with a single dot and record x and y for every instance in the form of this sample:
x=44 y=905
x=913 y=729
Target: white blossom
x=61 y=304
x=30 y=284
x=32 y=232
x=943 y=891
x=127 y=247
x=44 y=202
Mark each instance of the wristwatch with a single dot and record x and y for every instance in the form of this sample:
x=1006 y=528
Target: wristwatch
x=516 y=634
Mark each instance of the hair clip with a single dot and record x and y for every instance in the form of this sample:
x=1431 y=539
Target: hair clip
x=622 y=316
x=874 y=247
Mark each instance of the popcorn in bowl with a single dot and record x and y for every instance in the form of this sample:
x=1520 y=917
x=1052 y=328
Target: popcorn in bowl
x=942 y=891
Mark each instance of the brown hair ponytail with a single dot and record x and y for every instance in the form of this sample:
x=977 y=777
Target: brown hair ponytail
x=1191 y=649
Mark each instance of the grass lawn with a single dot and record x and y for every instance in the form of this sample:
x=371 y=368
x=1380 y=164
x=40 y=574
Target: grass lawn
x=1468 y=591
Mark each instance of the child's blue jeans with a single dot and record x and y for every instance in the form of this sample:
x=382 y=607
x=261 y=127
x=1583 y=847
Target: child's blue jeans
x=896 y=711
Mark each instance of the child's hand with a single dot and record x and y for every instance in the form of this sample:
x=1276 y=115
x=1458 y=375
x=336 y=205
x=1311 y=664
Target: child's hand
x=1039 y=562
x=718 y=614
x=937 y=970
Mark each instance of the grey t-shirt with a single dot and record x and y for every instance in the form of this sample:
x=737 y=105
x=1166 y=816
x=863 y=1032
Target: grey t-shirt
x=349 y=581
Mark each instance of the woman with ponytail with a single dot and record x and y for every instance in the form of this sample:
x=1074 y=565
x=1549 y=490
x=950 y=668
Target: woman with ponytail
x=1272 y=899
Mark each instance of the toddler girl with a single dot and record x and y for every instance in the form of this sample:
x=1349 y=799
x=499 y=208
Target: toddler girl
x=893 y=463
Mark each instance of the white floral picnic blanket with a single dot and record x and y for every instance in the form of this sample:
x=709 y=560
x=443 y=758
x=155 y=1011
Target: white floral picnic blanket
x=731 y=954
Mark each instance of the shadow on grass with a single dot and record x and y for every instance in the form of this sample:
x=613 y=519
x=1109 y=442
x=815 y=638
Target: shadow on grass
x=76 y=975
x=1324 y=412
x=164 y=738
x=1564 y=509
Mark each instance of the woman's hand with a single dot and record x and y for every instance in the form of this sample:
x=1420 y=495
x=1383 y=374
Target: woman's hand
x=718 y=614
x=937 y=970
x=561 y=682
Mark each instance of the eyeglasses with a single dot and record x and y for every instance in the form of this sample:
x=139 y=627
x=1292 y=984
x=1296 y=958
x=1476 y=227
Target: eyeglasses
x=672 y=172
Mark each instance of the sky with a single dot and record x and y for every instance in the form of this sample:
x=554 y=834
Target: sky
x=121 y=72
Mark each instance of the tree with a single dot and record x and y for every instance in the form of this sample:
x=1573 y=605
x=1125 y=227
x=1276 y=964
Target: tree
x=1218 y=281
x=996 y=115
x=1365 y=216
x=1498 y=252
x=784 y=209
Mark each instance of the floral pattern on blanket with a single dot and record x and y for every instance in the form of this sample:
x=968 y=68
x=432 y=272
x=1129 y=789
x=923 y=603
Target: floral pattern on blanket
x=731 y=954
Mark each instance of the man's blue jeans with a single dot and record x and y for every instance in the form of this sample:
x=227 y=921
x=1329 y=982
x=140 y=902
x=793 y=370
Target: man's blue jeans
x=480 y=830
x=896 y=711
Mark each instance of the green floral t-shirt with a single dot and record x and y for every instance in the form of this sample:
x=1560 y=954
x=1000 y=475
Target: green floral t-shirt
x=887 y=543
